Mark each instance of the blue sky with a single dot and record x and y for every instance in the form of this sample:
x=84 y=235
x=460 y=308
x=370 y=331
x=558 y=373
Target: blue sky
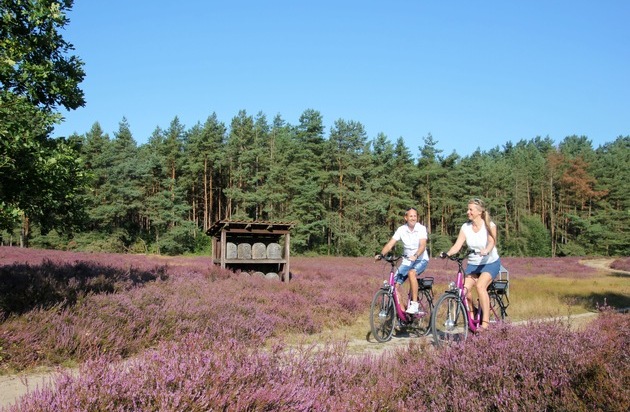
x=473 y=74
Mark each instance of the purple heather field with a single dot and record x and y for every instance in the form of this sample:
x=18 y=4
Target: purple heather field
x=170 y=334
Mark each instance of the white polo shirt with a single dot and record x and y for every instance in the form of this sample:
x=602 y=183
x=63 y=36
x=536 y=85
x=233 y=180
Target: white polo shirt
x=411 y=240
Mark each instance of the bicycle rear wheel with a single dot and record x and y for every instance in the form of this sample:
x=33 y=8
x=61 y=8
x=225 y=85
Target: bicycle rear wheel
x=422 y=321
x=382 y=316
x=497 y=312
x=449 y=322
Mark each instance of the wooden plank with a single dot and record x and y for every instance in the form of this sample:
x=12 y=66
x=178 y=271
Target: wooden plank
x=259 y=231
x=250 y=261
x=223 y=248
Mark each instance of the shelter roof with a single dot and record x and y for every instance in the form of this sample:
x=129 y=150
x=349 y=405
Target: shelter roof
x=250 y=226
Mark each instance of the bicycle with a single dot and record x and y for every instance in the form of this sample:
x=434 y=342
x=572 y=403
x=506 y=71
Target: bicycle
x=386 y=309
x=452 y=319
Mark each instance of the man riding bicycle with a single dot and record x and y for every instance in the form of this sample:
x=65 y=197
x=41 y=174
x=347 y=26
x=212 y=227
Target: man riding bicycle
x=414 y=238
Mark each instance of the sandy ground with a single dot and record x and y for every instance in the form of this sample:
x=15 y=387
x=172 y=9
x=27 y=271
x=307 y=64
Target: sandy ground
x=603 y=264
x=14 y=386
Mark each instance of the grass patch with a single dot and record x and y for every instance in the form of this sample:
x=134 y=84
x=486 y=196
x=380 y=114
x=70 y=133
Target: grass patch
x=541 y=296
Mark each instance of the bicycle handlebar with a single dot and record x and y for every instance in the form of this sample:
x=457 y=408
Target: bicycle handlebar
x=457 y=258
x=389 y=258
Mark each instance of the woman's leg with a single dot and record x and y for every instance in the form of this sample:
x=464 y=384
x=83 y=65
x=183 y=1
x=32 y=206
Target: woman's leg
x=469 y=283
x=484 y=299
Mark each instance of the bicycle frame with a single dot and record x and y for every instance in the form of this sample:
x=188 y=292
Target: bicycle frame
x=460 y=289
x=400 y=312
x=387 y=295
x=473 y=315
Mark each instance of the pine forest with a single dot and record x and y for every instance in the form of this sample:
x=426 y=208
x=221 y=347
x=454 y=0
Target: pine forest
x=345 y=191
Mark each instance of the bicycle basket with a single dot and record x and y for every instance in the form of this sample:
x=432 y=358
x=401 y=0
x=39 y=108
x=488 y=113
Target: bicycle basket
x=500 y=286
x=425 y=283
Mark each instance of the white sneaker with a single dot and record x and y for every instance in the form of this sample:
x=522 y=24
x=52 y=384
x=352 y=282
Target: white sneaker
x=413 y=308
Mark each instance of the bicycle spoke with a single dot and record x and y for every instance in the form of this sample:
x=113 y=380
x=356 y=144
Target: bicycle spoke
x=449 y=322
x=497 y=308
x=382 y=316
x=422 y=321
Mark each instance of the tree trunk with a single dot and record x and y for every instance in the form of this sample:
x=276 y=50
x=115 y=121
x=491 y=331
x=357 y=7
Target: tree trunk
x=24 y=232
x=206 y=210
x=552 y=220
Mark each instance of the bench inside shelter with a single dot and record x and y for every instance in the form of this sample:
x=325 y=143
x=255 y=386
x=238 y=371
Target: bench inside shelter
x=252 y=246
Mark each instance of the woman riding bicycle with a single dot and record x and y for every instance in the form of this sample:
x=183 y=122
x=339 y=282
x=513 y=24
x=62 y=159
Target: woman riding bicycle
x=480 y=234
x=414 y=238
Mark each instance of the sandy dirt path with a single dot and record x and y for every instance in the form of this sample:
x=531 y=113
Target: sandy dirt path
x=14 y=386
x=603 y=264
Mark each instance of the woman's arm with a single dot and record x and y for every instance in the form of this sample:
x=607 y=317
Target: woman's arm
x=461 y=238
x=492 y=236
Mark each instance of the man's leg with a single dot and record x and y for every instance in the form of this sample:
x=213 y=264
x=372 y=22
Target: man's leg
x=402 y=302
x=413 y=284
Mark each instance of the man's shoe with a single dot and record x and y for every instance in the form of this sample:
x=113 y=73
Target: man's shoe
x=413 y=308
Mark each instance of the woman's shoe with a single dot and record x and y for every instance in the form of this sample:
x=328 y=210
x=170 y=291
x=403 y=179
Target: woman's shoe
x=482 y=329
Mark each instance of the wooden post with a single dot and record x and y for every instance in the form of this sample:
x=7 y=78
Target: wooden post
x=223 y=247
x=287 y=268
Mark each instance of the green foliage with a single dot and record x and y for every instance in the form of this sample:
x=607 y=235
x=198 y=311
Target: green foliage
x=533 y=239
x=41 y=179
x=440 y=243
x=345 y=193
x=101 y=242
x=572 y=249
x=34 y=58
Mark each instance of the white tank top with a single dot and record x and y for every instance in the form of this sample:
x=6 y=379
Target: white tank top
x=478 y=241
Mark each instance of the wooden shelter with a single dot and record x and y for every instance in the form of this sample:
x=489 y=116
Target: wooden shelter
x=252 y=246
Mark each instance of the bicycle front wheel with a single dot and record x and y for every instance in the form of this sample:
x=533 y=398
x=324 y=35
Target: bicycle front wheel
x=449 y=322
x=382 y=316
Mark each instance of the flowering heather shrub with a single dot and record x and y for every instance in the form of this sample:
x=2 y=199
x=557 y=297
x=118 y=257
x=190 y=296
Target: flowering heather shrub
x=540 y=367
x=544 y=366
x=24 y=287
x=118 y=325
x=621 y=264
x=445 y=271
x=190 y=295
x=176 y=265
x=557 y=267
x=248 y=309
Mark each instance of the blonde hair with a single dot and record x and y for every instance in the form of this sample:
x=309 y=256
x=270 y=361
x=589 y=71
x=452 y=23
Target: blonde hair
x=485 y=215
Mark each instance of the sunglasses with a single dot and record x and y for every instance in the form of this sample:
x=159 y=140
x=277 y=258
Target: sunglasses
x=477 y=201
